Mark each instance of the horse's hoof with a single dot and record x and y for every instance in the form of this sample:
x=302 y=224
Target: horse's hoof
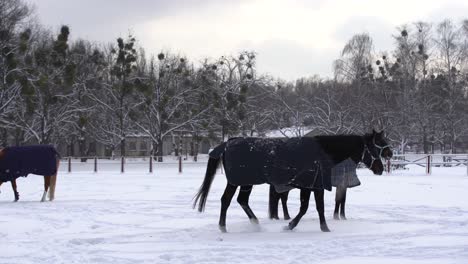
x=291 y=226
x=223 y=229
x=343 y=217
x=324 y=229
x=287 y=218
x=336 y=217
x=254 y=221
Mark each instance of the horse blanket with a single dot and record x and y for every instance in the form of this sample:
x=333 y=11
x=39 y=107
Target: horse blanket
x=21 y=161
x=283 y=163
x=344 y=174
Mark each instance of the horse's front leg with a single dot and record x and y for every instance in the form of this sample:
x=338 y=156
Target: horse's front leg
x=15 y=190
x=305 y=196
x=284 y=203
x=46 y=187
x=321 y=209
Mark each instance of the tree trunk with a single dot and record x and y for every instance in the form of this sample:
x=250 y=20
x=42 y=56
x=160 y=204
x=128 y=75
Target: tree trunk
x=122 y=147
x=195 y=153
x=425 y=143
x=192 y=148
x=157 y=149
x=19 y=136
x=4 y=142
x=82 y=149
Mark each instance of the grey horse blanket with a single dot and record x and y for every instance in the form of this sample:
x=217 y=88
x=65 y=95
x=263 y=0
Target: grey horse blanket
x=21 y=161
x=344 y=174
x=284 y=163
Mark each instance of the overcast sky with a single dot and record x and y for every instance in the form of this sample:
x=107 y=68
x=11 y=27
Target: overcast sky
x=293 y=38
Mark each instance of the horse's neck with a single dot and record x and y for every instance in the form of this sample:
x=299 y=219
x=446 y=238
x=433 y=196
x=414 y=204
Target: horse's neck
x=340 y=148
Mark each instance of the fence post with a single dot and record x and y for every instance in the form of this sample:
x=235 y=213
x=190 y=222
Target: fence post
x=95 y=164
x=389 y=166
x=429 y=164
x=69 y=164
x=151 y=164
x=122 y=167
x=180 y=163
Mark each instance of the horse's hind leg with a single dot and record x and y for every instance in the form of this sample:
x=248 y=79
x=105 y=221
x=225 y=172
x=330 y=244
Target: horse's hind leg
x=284 y=203
x=338 y=201
x=243 y=200
x=53 y=183
x=225 y=202
x=305 y=196
x=273 y=203
x=15 y=189
x=321 y=210
x=343 y=202
x=46 y=187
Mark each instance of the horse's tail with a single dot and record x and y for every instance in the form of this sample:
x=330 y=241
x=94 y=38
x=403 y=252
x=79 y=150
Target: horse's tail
x=213 y=162
x=53 y=179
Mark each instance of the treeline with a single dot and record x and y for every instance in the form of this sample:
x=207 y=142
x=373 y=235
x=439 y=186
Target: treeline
x=56 y=91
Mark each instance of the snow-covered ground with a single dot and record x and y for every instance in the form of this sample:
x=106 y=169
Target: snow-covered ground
x=137 y=217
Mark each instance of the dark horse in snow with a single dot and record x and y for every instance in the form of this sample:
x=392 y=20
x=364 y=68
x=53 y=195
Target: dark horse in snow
x=343 y=177
x=303 y=163
x=20 y=161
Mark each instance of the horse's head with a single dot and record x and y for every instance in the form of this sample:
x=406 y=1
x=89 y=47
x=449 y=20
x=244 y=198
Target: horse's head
x=379 y=142
x=372 y=162
x=376 y=148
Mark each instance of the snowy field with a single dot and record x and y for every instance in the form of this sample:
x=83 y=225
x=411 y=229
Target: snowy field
x=137 y=217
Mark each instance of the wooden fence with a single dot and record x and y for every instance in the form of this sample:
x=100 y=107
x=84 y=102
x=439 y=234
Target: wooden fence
x=428 y=161
x=97 y=164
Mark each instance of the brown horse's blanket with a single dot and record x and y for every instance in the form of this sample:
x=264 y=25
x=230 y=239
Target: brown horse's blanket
x=20 y=161
x=344 y=174
x=284 y=163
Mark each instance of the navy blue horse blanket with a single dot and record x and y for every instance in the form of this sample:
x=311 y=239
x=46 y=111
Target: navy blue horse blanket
x=20 y=161
x=283 y=163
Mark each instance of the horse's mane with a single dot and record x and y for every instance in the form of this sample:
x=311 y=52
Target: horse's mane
x=340 y=147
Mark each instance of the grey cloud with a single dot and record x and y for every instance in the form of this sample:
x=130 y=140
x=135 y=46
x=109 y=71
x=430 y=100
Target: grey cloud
x=91 y=12
x=316 y=4
x=289 y=60
x=453 y=11
x=104 y=20
x=380 y=31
